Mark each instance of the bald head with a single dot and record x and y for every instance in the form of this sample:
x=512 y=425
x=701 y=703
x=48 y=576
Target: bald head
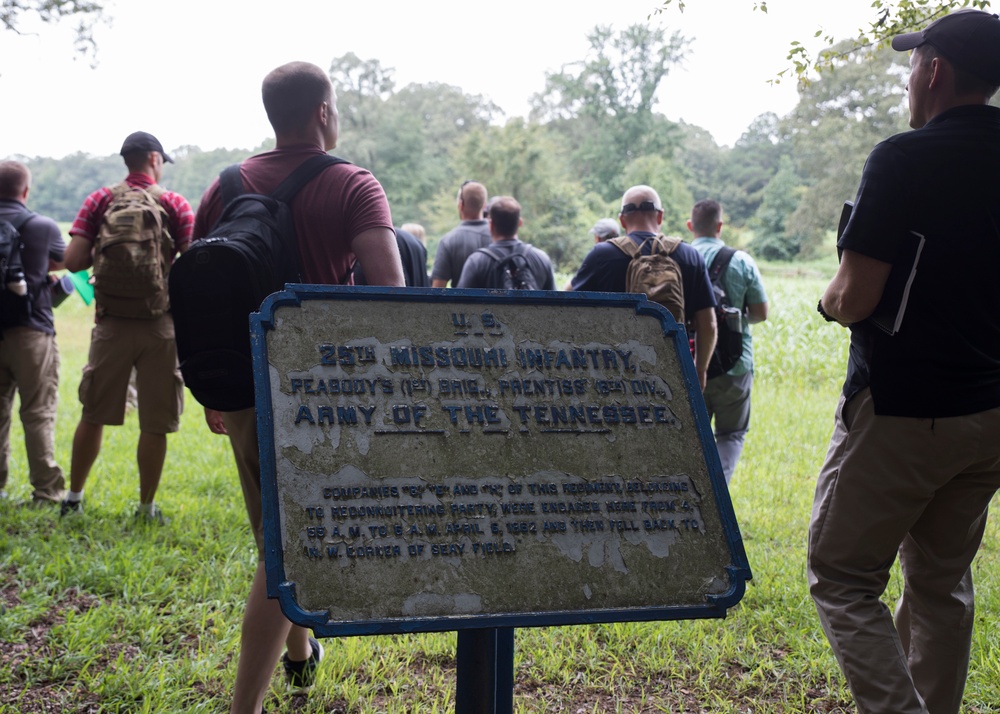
x=471 y=200
x=641 y=209
x=15 y=180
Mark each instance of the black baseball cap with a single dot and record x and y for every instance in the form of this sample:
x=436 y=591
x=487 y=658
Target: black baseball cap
x=143 y=141
x=970 y=39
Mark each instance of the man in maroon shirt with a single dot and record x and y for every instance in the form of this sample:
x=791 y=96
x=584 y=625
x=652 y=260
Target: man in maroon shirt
x=341 y=215
x=121 y=343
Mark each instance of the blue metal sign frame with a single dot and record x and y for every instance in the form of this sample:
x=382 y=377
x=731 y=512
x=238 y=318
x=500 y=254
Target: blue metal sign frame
x=278 y=586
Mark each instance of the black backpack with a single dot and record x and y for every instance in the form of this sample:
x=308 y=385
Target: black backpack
x=510 y=271
x=15 y=300
x=729 y=345
x=222 y=278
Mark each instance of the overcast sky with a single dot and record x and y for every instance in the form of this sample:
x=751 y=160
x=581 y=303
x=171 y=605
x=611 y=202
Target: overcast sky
x=189 y=71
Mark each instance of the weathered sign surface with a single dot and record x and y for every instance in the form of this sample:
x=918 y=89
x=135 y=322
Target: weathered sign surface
x=434 y=460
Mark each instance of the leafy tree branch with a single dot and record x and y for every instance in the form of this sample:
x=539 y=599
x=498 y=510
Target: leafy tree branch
x=86 y=13
x=890 y=19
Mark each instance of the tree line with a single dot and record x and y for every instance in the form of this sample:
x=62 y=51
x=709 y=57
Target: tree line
x=592 y=132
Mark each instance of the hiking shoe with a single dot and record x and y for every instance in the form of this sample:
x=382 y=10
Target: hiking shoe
x=301 y=676
x=67 y=507
x=154 y=516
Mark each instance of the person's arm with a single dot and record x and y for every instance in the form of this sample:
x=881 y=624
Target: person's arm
x=56 y=244
x=376 y=249
x=182 y=223
x=57 y=256
x=706 y=331
x=79 y=254
x=441 y=267
x=856 y=289
x=756 y=313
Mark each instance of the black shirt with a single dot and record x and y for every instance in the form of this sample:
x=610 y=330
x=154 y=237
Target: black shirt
x=940 y=182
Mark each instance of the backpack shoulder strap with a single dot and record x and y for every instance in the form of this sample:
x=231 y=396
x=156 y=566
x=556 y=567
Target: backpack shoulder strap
x=230 y=184
x=302 y=175
x=518 y=248
x=667 y=244
x=157 y=191
x=20 y=219
x=119 y=190
x=17 y=222
x=626 y=245
x=493 y=253
x=720 y=262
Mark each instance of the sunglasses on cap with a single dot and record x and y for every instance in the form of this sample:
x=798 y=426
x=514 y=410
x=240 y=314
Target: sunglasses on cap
x=644 y=206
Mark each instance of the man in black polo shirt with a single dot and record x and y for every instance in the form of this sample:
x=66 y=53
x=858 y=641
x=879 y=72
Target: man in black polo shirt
x=915 y=455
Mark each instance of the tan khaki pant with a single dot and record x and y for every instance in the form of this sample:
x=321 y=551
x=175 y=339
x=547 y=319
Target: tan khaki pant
x=29 y=365
x=919 y=488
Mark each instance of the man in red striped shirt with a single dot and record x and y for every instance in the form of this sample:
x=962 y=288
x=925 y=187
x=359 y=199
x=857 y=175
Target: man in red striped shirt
x=130 y=333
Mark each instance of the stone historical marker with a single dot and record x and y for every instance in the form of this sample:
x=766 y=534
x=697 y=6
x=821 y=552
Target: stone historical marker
x=440 y=460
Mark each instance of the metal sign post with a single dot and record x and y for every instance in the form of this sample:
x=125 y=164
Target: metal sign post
x=485 y=671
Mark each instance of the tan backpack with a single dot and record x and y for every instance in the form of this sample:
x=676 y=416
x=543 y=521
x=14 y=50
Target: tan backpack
x=656 y=274
x=132 y=254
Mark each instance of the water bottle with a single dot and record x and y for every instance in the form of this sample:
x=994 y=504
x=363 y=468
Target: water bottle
x=734 y=321
x=61 y=288
x=16 y=283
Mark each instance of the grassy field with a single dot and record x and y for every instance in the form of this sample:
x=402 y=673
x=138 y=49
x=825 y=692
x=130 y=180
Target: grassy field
x=104 y=616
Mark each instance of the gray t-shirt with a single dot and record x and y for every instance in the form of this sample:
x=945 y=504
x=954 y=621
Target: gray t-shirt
x=455 y=248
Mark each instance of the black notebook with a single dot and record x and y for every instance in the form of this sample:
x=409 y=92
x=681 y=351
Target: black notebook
x=888 y=314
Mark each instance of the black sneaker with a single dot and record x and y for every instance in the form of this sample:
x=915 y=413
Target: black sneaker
x=301 y=676
x=67 y=507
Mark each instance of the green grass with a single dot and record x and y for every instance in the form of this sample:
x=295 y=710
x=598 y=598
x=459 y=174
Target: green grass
x=104 y=616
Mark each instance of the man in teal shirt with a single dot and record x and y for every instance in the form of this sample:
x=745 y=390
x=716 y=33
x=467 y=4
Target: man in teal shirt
x=727 y=396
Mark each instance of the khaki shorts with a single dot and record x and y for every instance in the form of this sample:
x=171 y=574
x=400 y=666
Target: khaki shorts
x=117 y=345
x=242 y=429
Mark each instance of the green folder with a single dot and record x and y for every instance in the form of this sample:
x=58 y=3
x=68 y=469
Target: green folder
x=81 y=281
